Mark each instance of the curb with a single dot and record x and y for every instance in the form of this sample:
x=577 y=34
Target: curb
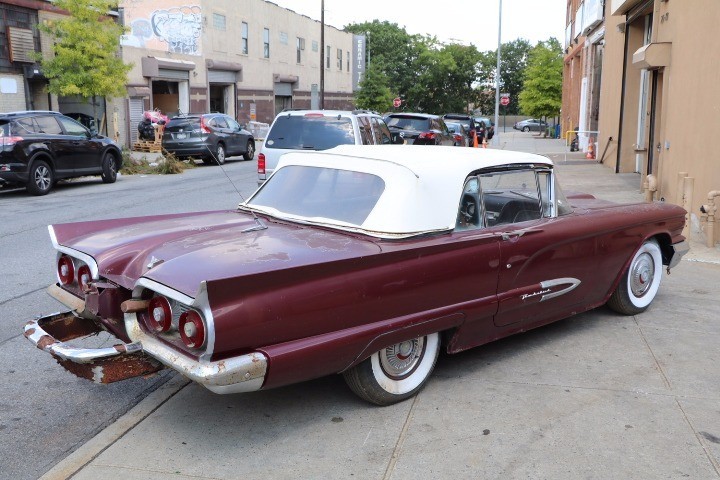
x=78 y=459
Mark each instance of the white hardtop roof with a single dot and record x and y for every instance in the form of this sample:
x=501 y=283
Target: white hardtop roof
x=423 y=184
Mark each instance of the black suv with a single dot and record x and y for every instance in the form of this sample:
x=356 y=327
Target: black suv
x=420 y=128
x=37 y=148
x=468 y=122
x=209 y=136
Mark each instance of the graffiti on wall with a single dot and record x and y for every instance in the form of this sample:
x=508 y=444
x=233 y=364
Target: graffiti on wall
x=163 y=25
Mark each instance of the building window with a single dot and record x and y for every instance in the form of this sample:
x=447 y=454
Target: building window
x=339 y=59
x=283 y=38
x=348 y=60
x=244 y=36
x=219 y=21
x=315 y=46
x=327 y=56
x=266 y=43
x=300 y=45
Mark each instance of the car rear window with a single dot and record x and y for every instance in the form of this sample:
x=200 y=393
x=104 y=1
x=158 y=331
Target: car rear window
x=321 y=193
x=406 y=122
x=176 y=124
x=304 y=132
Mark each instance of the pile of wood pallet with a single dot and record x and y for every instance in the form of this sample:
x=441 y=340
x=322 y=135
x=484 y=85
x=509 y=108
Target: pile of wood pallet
x=148 y=146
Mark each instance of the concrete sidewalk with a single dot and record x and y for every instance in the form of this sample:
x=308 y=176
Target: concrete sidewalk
x=596 y=396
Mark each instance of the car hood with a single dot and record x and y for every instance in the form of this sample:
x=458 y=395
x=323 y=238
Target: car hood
x=182 y=250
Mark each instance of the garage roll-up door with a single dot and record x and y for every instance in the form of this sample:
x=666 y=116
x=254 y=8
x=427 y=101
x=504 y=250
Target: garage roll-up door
x=221 y=76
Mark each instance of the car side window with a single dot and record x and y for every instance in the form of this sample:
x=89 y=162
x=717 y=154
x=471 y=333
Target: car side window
x=48 y=125
x=382 y=132
x=232 y=124
x=365 y=130
x=219 y=122
x=469 y=215
x=510 y=197
x=23 y=126
x=71 y=126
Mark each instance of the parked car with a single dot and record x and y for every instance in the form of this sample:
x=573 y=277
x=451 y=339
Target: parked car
x=468 y=122
x=211 y=137
x=38 y=148
x=365 y=261
x=462 y=138
x=489 y=126
x=298 y=130
x=420 y=128
x=531 y=124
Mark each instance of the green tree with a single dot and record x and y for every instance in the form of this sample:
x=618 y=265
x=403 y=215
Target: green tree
x=542 y=88
x=513 y=61
x=85 y=61
x=374 y=93
x=392 y=51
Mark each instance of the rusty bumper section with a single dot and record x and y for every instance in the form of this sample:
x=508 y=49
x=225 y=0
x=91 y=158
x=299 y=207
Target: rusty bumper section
x=101 y=365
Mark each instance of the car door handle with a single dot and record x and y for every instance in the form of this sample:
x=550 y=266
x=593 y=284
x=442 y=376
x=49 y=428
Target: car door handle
x=519 y=233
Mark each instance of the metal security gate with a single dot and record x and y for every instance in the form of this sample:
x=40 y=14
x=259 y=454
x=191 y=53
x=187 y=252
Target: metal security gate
x=135 y=115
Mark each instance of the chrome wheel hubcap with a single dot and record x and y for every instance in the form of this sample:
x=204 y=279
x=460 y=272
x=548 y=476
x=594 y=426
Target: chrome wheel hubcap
x=401 y=359
x=42 y=178
x=642 y=273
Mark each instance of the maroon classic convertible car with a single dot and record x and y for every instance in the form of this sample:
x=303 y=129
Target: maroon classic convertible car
x=364 y=261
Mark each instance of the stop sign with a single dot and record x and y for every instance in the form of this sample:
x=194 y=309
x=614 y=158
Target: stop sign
x=396 y=102
x=505 y=101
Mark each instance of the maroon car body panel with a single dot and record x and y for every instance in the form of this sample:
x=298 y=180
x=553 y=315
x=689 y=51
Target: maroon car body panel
x=317 y=301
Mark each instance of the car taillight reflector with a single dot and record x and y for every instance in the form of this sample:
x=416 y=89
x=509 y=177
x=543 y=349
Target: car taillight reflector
x=458 y=137
x=204 y=128
x=159 y=314
x=65 y=270
x=427 y=135
x=192 y=329
x=261 y=163
x=11 y=140
x=314 y=115
x=83 y=277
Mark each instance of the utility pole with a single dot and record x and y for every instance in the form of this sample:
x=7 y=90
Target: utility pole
x=322 y=54
x=496 y=140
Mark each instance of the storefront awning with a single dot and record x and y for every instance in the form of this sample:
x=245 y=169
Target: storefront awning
x=151 y=66
x=652 y=56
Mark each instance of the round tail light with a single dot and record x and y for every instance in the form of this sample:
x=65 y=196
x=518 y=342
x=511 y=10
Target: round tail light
x=65 y=270
x=83 y=277
x=159 y=314
x=192 y=329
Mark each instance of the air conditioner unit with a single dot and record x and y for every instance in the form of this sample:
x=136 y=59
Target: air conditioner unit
x=592 y=16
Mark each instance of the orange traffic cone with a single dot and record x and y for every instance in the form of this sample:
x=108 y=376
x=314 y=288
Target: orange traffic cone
x=591 y=149
x=475 y=144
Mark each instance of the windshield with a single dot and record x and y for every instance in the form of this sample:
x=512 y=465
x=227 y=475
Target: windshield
x=305 y=132
x=408 y=123
x=324 y=195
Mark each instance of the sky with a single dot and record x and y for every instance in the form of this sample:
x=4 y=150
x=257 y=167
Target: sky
x=459 y=21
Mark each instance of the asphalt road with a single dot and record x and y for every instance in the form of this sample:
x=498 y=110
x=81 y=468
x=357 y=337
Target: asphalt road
x=45 y=412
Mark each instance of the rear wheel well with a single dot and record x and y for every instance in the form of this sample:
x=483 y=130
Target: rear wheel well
x=666 y=249
x=44 y=157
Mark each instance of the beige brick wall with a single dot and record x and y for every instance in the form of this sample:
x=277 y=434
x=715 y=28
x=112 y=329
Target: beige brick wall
x=12 y=101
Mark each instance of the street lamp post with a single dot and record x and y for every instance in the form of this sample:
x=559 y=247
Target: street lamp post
x=496 y=140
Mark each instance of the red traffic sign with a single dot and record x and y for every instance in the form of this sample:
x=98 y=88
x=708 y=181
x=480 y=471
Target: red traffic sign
x=396 y=102
x=505 y=101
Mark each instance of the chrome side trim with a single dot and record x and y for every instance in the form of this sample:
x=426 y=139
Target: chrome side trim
x=572 y=282
x=244 y=373
x=89 y=261
x=679 y=249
